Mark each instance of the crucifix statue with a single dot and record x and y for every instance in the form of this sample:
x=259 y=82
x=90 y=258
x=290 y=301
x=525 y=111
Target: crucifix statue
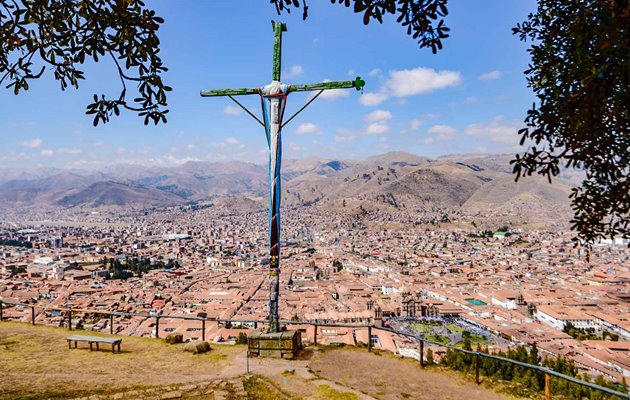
x=273 y=99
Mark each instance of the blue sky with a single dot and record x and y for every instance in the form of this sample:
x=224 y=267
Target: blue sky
x=470 y=97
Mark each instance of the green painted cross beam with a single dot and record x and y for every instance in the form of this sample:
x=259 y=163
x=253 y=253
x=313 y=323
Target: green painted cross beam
x=273 y=99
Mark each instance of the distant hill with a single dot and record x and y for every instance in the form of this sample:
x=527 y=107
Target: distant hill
x=118 y=194
x=395 y=181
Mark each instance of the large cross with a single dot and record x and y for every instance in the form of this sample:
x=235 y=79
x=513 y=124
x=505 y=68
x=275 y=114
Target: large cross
x=273 y=99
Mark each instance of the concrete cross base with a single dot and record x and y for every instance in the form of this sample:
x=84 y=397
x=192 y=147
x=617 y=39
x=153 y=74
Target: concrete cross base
x=285 y=344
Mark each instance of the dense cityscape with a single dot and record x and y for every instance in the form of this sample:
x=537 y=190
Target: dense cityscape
x=444 y=281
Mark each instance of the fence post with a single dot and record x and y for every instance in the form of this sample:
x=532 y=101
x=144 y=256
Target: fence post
x=477 y=369
x=32 y=315
x=111 y=324
x=370 y=338
x=203 y=329
x=157 y=327
x=315 y=334
x=421 y=353
x=547 y=387
x=69 y=320
x=1 y=310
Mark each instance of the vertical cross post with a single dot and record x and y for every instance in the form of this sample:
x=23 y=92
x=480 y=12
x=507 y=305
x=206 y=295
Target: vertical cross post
x=1 y=310
x=32 y=315
x=203 y=329
x=278 y=28
x=370 y=338
x=157 y=327
x=69 y=320
x=273 y=98
x=111 y=324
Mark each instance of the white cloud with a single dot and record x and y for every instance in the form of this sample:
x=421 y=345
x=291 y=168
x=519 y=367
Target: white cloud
x=414 y=124
x=307 y=128
x=378 y=116
x=33 y=143
x=372 y=99
x=429 y=140
x=47 y=153
x=294 y=146
x=230 y=141
x=351 y=72
x=174 y=160
x=231 y=110
x=410 y=82
x=471 y=100
x=490 y=76
x=67 y=150
x=377 y=128
x=374 y=72
x=442 y=132
x=294 y=71
x=496 y=131
x=344 y=138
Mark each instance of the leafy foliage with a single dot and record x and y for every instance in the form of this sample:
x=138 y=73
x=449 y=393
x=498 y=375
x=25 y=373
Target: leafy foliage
x=423 y=19
x=242 y=338
x=16 y=243
x=528 y=382
x=133 y=266
x=61 y=35
x=580 y=72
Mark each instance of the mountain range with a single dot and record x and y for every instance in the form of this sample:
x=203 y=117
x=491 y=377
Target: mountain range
x=393 y=181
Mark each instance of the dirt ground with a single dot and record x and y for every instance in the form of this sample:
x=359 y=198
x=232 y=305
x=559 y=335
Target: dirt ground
x=388 y=377
x=36 y=361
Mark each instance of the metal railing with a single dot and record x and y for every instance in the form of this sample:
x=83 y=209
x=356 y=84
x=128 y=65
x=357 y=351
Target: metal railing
x=255 y=323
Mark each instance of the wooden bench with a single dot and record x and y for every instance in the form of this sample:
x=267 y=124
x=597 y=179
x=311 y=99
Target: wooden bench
x=93 y=340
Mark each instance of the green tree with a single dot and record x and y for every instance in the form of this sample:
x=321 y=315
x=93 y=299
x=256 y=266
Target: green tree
x=423 y=19
x=580 y=74
x=429 y=357
x=242 y=338
x=61 y=35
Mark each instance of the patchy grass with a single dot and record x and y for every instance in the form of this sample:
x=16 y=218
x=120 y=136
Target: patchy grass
x=455 y=328
x=36 y=362
x=437 y=338
x=288 y=372
x=258 y=389
x=326 y=392
x=421 y=328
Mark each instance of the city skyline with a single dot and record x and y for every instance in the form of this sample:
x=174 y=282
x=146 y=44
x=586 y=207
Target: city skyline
x=470 y=97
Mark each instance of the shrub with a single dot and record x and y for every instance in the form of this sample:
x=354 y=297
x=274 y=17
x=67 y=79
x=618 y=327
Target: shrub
x=174 y=338
x=197 y=347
